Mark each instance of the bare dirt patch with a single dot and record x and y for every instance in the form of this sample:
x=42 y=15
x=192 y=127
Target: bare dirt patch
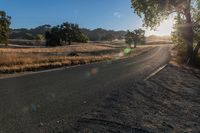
x=168 y=102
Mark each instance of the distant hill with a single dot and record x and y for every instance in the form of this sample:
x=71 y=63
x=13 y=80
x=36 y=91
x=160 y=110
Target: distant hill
x=101 y=34
x=158 y=39
x=93 y=35
x=29 y=34
x=154 y=37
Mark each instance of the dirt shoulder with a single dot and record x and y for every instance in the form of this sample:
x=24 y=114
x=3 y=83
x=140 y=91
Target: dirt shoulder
x=168 y=102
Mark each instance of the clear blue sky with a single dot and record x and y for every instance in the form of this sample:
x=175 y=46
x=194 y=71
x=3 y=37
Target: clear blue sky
x=109 y=14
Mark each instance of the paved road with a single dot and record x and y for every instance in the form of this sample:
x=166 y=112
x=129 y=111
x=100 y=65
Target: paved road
x=29 y=101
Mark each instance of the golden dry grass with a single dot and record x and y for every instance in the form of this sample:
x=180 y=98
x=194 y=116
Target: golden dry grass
x=32 y=59
x=10 y=63
x=77 y=48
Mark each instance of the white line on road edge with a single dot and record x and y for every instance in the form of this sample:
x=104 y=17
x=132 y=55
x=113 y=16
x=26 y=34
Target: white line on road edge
x=155 y=72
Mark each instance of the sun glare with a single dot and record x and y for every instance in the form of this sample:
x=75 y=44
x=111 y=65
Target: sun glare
x=164 y=29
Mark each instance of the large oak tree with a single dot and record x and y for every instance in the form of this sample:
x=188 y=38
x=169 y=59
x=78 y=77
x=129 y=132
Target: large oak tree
x=154 y=12
x=4 y=27
x=135 y=37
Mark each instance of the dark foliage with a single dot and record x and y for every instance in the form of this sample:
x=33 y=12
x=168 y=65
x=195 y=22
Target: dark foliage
x=4 y=27
x=53 y=37
x=135 y=37
x=65 y=33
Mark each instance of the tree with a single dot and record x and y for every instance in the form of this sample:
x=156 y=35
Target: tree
x=136 y=37
x=77 y=35
x=196 y=28
x=72 y=33
x=129 y=38
x=5 y=22
x=53 y=37
x=177 y=38
x=67 y=32
x=155 y=11
x=80 y=37
x=39 y=37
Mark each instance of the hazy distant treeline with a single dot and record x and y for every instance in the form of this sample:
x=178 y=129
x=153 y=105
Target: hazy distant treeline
x=38 y=33
x=103 y=34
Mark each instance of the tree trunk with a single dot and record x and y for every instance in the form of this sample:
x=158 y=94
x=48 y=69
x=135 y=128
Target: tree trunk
x=135 y=44
x=188 y=36
x=6 y=44
x=69 y=39
x=196 y=50
x=69 y=42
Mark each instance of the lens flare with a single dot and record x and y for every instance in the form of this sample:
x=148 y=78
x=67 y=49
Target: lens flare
x=33 y=108
x=127 y=50
x=94 y=71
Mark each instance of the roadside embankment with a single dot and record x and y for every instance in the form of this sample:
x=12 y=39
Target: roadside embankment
x=168 y=102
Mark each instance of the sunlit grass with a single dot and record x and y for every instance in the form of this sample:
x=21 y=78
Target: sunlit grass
x=15 y=62
x=31 y=59
x=78 y=48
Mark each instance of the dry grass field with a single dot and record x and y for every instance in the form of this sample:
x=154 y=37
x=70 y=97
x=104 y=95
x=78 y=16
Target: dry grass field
x=19 y=59
x=31 y=59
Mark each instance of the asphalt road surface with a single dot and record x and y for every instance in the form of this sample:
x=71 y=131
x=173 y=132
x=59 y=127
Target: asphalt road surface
x=27 y=102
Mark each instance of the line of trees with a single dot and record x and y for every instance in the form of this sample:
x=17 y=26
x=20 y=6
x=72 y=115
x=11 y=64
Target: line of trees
x=5 y=22
x=38 y=33
x=63 y=34
x=135 y=37
x=155 y=11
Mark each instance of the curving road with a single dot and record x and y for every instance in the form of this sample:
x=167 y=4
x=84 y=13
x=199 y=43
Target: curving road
x=31 y=101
